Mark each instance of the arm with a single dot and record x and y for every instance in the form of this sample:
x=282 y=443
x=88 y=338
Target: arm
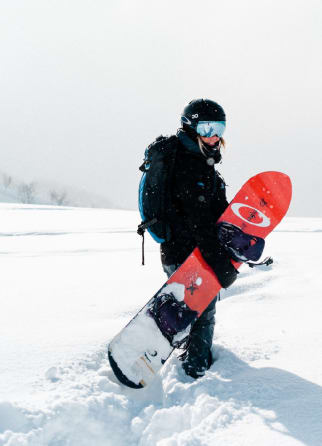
x=201 y=222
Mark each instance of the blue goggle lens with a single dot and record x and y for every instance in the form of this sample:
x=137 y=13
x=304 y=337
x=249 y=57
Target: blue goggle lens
x=211 y=128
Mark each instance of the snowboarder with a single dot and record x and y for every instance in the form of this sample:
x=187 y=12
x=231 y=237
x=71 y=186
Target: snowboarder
x=196 y=199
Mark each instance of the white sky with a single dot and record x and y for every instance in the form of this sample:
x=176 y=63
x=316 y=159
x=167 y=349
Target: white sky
x=86 y=85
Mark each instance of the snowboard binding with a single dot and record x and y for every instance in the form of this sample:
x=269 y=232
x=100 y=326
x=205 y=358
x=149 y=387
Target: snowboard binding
x=240 y=246
x=174 y=318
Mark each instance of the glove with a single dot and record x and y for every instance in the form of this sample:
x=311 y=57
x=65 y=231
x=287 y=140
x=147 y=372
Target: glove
x=220 y=263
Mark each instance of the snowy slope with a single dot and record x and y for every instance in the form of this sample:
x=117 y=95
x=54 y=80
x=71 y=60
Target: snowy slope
x=71 y=278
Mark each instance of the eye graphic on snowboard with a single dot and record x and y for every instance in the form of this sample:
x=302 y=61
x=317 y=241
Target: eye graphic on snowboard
x=250 y=215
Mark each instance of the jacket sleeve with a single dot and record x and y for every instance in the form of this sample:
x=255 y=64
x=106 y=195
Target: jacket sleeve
x=216 y=257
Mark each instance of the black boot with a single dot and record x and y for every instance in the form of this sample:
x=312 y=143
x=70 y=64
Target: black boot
x=197 y=358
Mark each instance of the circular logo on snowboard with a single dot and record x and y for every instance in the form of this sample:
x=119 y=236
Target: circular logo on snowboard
x=251 y=215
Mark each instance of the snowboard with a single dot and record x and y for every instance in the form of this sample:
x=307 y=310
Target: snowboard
x=140 y=349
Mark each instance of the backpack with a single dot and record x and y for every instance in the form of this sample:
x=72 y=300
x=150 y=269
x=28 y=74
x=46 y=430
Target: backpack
x=154 y=188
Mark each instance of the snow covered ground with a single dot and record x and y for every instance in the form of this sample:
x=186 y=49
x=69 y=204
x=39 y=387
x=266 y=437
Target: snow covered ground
x=71 y=278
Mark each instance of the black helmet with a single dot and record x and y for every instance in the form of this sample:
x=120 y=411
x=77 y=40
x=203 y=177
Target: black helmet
x=201 y=110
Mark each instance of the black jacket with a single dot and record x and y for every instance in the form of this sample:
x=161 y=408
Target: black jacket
x=198 y=198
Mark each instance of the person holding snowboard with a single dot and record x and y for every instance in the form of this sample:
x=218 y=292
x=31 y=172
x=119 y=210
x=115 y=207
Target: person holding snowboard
x=192 y=196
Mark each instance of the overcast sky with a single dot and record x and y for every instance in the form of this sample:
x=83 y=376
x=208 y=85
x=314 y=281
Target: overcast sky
x=87 y=85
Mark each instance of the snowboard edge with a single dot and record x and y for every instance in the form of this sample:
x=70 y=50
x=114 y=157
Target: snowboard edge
x=120 y=375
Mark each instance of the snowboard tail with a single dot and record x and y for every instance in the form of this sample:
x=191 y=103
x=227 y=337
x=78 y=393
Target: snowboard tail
x=120 y=375
x=138 y=352
x=165 y=323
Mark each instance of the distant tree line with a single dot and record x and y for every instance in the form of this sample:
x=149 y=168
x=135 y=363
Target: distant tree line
x=27 y=192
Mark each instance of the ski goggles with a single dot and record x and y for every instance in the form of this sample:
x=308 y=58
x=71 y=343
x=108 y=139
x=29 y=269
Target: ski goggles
x=211 y=128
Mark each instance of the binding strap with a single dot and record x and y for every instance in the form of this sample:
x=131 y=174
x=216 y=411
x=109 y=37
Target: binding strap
x=267 y=261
